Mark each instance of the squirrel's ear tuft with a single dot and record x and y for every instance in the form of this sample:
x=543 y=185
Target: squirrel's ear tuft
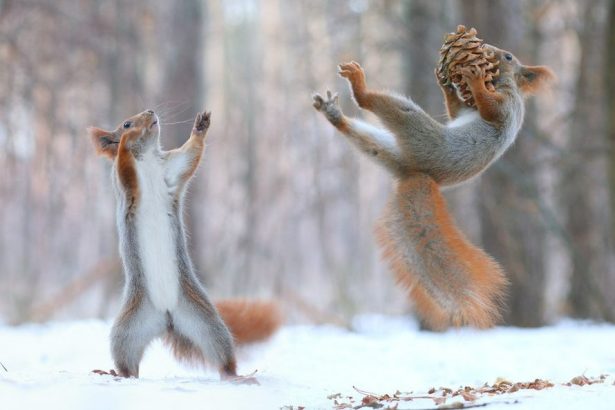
x=532 y=79
x=105 y=142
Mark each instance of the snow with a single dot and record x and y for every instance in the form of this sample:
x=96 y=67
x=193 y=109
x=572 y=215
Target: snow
x=49 y=366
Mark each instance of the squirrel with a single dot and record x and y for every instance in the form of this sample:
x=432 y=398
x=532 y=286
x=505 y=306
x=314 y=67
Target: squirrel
x=162 y=294
x=451 y=281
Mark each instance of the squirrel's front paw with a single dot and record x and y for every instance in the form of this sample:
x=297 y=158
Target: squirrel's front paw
x=442 y=82
x=329 y=106
x=354 y=73
x=325 y=105
x=472 y=74
x=201 y=123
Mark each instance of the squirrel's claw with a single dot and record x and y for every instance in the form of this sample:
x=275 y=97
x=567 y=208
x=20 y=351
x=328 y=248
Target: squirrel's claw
x=441 y=81
x=202 y=121
x=471 y=73
x=320 y=103
x=350 y=69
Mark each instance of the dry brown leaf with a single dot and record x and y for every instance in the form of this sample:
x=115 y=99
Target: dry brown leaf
x=371 y=401
x=514 y=388
x=468 y=396
x=580 y=380
x=583 y=380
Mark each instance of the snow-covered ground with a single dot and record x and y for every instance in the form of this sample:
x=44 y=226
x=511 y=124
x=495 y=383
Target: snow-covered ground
x=49 y=367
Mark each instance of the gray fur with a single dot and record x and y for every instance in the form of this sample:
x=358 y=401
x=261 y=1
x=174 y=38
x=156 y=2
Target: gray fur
x=132 y=333
x=200 y=323
x=448 y=154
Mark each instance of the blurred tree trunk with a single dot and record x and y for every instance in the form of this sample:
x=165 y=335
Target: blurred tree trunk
x=122 y=62
x=424 y=34
x=512 y=231
x=609 y=70
x=243 y=80
x=588 y=233
x=184 y=72
x=610 y=95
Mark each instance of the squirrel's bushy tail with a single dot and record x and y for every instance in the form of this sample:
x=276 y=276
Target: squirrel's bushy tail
x=248 y=321
x=451 y=281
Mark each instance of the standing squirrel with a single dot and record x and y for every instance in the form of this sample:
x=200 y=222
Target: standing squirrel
x=162 y=294
x=451 y=281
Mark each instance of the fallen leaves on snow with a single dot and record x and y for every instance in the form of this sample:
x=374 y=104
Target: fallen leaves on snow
x=439 y=396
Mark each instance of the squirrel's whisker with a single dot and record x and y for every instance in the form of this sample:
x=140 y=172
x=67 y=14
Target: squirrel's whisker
x=176 y=122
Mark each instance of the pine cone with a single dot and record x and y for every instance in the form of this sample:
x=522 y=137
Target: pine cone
x=462 y=49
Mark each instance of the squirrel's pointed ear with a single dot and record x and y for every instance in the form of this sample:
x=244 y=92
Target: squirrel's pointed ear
x=532 y=79
x=105 y=142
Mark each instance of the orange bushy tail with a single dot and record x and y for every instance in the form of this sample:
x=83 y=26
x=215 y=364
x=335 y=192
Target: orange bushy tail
x=249 y=320
x=451 y=281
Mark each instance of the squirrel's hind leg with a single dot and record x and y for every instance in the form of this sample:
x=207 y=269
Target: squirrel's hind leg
x=197 y=323
x=136 y=326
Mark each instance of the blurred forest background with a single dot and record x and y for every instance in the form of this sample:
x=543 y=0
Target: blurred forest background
x=282 y=206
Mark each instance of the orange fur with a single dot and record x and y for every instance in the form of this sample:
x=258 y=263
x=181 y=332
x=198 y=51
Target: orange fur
x=249 y=320
x=463 y=285
x=105 y=142
x=533 y=79
x=127 y=168
x=354 y=74
x=453 y=104
x=488 y=103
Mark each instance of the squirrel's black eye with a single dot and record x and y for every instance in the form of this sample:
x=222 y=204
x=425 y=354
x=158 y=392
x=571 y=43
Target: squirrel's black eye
x=508 y=56
x=127 y=124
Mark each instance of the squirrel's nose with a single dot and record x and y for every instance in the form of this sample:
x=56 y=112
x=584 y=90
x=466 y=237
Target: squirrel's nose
x=150 y=111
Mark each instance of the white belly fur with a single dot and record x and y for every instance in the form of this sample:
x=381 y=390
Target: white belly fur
x=156 y=242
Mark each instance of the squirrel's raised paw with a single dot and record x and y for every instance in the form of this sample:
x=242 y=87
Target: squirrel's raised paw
x=329 y=106
x=442 y=82
x=322 y=104
x=471 y=73
x=351 y=71
x=354 y=73
x=202 y=121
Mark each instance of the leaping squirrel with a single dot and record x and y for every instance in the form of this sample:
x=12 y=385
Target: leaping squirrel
x=451 y=281
x=162 y=294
